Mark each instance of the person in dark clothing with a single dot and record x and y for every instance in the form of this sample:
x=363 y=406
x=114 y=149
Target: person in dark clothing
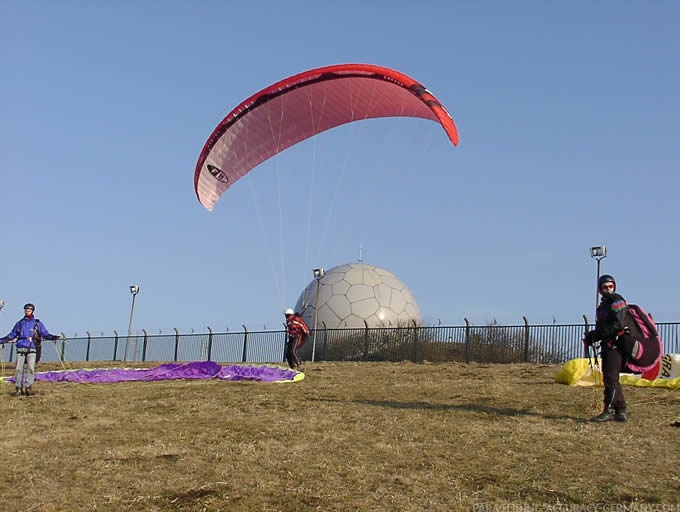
x=297 y=332
x=28 y=332
x=616 y=346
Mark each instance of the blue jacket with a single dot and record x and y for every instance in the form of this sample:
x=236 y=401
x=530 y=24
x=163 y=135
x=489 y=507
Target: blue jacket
x=23 y=333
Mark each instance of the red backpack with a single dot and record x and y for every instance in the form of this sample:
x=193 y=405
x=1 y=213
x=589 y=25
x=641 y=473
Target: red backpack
x=650 y=349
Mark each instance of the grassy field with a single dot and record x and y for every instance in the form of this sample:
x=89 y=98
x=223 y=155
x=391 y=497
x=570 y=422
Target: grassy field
x=349 y=437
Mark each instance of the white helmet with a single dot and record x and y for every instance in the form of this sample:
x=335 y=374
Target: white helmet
x=288 y=312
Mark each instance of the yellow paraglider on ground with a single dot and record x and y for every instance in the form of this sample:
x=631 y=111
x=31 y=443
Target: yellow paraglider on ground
x=580 y=372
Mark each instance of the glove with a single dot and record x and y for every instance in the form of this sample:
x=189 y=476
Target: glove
x=55 y=337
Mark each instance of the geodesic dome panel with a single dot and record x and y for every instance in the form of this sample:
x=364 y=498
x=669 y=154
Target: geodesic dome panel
x=353 y=293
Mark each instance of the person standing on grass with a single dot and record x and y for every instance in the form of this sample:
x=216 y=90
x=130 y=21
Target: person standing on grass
x=611 y=334
x=297 y=332
x=29 y=331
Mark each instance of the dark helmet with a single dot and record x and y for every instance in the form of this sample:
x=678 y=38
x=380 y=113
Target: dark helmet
x=29 y=306
x=606 y=278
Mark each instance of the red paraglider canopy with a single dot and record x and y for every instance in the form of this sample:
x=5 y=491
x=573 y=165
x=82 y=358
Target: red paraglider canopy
x=302 y=106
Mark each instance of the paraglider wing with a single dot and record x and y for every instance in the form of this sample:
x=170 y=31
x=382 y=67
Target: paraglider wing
x=171 y=371
x=302 y=106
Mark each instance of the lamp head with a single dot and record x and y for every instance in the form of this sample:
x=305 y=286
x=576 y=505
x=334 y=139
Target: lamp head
x=134 y=289
x=599 y=251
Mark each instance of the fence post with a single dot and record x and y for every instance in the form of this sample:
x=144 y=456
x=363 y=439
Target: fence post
x=176 y=343
x=415 y=341
x=467 y=340
x=146 y=337
x=365 y=341
x=526 y=339
x=244 y=357
x=115 y=344
x=325 y=339
x=285 y=342
x=63 y=346
x=586 y=352
x=210 y=342
x=87 y=351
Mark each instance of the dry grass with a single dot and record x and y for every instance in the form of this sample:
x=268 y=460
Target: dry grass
x=350 y=437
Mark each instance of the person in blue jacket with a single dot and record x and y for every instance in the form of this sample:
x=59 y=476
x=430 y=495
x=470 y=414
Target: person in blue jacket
x=28 y=332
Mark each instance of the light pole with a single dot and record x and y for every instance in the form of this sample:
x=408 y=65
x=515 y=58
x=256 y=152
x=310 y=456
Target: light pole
x=318 y=274
x=599 y=253
x=134 y=290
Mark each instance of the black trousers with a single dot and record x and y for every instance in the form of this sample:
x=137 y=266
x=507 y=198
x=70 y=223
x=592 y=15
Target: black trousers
x=291 y=356
x=613 y=361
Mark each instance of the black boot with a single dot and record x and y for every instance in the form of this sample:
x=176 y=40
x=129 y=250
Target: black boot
x=620 y=414
x=606 y=415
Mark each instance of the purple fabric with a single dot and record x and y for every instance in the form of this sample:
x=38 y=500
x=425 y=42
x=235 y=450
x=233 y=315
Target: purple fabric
x=264 y=373
x=170 y=371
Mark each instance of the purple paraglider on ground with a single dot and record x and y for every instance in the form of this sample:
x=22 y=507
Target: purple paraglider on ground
x=172 y=371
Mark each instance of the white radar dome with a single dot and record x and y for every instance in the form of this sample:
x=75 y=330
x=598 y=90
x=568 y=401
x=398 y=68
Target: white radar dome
x=353 y=293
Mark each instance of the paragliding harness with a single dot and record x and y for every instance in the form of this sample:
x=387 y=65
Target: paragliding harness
x=640 y=340
x=37 y=339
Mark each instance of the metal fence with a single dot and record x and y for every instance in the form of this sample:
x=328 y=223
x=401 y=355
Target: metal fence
x=552 y=344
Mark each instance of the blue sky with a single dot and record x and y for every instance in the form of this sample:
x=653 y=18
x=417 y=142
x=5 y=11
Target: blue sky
x=568 y=119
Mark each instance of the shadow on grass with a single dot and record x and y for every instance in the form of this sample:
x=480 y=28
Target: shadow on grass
x=472 y=407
